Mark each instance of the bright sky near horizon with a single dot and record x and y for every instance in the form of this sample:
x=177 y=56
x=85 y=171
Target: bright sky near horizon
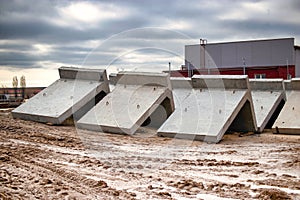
x=37 y=37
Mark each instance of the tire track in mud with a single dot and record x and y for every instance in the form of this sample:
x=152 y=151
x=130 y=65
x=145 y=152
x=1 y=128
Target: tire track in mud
x=53 y=177
x=39 y=161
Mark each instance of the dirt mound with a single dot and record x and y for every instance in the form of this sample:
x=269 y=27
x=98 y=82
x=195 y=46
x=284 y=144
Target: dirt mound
x=273 y=194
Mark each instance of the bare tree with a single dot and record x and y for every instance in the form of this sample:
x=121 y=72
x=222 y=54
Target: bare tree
x=15 y=85
x=23 y=85
x=23 y=81
x=15 y=81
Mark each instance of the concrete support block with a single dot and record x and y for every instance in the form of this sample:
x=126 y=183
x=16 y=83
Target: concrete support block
x=135 y=98
x=82 y=74
x=268 y=99
x=288 y=120
x=209 y=108
x=72 y=95
x=180 y=82
x=223 y=81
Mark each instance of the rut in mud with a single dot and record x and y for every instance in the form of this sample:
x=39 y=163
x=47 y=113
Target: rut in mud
x=38 y=161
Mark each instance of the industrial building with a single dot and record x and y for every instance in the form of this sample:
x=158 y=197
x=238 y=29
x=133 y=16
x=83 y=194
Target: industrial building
x=272 y=58
x=26 y=92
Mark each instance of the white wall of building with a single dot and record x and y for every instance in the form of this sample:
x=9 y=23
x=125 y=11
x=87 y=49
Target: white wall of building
x=255 y=53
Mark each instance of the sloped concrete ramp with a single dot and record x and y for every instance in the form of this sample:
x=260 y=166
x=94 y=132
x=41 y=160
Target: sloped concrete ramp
x=288 y=121
x=207 y=106
x=268 y=99
x=135 y=97
x=73 y=94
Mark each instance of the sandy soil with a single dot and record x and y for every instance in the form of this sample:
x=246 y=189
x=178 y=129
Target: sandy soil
x=38 y=161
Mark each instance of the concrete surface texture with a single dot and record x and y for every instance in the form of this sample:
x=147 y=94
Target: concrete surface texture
x=268 y=99
x=135 y=97
x=208 y=106
x=288 y=121
x=72 y=95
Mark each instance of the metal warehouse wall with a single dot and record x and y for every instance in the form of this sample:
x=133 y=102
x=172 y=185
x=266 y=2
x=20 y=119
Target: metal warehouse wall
x=297 y=60
x=256 y=53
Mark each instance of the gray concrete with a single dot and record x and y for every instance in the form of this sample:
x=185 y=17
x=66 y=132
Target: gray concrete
x=267 y=95
x=135 y=97
x=288 y=121
x=208 y=106
x=72 y=95
x=293 y=84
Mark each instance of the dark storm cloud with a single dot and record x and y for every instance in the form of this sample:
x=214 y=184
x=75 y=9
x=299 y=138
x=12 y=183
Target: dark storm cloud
x=24 y=24
x=18 y=59
x=260 y=27
x=41 y=31
x=26 y=21
x=15 y=47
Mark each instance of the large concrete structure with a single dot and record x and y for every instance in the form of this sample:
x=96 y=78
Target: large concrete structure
x=268 y=99
x=135 y=97
x=273 y=58
x=208 y=106
x=73 y=94
x=288 y=121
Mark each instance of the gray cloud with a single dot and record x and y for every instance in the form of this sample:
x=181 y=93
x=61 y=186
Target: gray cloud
x=106 y=40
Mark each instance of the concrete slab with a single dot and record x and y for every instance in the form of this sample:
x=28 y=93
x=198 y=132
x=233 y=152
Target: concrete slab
x=73 y=94
x=207 y=106
x=291 y=85
x=268 y=99
x=288 y=121
x=135 y=97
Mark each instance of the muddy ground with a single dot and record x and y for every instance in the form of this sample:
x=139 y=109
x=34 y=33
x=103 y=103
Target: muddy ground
x=39 y=161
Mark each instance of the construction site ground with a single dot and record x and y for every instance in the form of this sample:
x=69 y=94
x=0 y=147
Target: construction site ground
x=40 y=161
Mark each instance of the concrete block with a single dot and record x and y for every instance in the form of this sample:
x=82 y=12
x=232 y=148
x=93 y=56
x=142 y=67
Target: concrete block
x=268 y=99
x=72 y=95
x=209 y=108
x=288 y=121
x=180 y=82
x=135 y=97
x=140 y=78
x=217 y=81
x=293 y=84
x=82 y=74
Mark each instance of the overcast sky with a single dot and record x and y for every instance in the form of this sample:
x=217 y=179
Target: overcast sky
x=38 y=36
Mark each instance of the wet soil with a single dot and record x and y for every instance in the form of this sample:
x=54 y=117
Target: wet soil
x=39 y=161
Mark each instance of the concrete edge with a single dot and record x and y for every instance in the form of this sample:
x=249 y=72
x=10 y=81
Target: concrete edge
x=36 y=118
x=290 y=131
x=181 y=82
x=266 y=84
x=221 y=81
x=98 y=128
x=81 y=73
x=138 y=78
x=293 y=84
x=274 y=107
x=186 y=136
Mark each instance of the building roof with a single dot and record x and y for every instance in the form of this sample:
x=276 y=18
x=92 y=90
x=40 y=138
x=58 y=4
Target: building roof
x=243 y=41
